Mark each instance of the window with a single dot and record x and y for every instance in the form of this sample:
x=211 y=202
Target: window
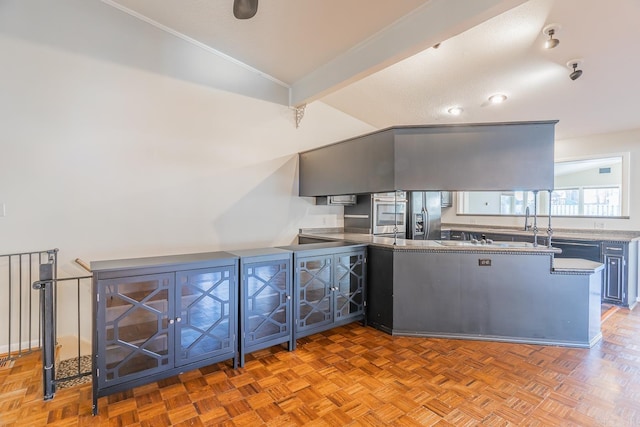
x=589 y=187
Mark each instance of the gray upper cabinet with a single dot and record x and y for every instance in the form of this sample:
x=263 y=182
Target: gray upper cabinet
x=353 y=166
x=492 y=156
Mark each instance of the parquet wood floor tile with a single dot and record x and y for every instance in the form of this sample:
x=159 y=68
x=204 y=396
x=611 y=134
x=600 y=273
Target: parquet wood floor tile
x=357 y=376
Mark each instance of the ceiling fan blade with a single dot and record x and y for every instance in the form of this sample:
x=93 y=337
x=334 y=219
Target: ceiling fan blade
x=245 y=9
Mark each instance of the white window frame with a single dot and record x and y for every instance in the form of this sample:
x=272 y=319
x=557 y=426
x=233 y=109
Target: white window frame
x=543 y=207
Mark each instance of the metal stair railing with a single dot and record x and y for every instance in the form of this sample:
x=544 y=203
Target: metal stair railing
x=20 y=332
x=49 y=285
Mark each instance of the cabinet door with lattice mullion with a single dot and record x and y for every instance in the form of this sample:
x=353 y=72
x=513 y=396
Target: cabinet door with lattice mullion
x=350 y=276
x=205 y=313
x=315 y=294
x=267 y=296
x=134 y=327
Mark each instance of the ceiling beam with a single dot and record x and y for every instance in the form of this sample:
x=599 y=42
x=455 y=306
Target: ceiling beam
x=432 y=23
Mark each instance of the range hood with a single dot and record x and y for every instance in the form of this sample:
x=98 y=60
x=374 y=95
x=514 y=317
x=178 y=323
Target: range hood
x=460 y=157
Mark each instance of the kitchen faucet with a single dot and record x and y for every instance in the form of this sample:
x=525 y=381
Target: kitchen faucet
x=527 y=227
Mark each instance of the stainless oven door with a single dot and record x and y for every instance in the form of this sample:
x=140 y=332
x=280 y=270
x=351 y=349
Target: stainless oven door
x=389 y=214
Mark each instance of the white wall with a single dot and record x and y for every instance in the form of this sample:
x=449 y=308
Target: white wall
x=588 y=146
x=106 y=161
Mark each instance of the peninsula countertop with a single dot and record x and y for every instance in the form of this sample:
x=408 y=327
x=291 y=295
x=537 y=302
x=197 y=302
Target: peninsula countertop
x=558 y=265
x=560 y=233
x=426 y=245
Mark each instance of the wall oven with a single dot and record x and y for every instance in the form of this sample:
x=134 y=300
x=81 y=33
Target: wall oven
x=389 y=212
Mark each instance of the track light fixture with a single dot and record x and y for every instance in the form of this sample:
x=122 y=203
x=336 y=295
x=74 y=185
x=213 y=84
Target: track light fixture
x=575 y=73
x=245 y=9
x=551 y=30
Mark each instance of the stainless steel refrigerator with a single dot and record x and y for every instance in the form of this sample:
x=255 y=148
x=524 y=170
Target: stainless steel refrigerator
x=425 y=213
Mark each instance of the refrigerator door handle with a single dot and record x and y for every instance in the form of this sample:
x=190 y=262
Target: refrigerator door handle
x=425 y=221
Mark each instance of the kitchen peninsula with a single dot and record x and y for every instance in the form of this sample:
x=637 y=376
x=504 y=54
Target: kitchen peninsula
x=504 y=291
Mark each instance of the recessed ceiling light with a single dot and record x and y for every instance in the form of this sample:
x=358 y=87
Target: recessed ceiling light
x=497 y=98
x=455 y=111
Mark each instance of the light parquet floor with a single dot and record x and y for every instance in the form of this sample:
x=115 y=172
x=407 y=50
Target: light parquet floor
x=357 y=376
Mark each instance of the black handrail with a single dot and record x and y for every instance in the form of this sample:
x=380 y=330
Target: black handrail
x=48 y=297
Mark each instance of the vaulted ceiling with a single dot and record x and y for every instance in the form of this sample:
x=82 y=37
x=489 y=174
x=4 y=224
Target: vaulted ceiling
x=375 y=60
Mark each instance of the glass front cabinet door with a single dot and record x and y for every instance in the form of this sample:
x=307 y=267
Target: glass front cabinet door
x=204 y=323
x=349 y=288
x=149 y=326
x=137 y=336
x=329 y=289
x=315 y=292
x=265 y=300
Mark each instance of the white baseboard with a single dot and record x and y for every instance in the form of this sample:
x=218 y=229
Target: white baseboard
x=24 y=346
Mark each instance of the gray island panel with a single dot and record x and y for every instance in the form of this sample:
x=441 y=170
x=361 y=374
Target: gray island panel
x=518 y=298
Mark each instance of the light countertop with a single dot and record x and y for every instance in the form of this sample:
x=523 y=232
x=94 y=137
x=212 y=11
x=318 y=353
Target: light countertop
x=428 y=245
x=561 y=233
x=559 y=265
x=576 y=266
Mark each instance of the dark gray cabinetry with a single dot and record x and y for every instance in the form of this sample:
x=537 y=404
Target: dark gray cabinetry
x=157 y=317
x=206 y=314
x=620 y=259
x=619 y=284
x=265 y=299
x=573 y=248
x=329 y=286
x=380 y=275
x=433 y=158
x=134 y=320
x=615 y=272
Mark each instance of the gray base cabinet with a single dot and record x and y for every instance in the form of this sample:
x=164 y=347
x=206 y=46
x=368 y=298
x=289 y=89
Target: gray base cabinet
x=621 y=273
x=265 y=299
x=380 y=288
x=163 y=317
x=616 y=288
x=329 y=286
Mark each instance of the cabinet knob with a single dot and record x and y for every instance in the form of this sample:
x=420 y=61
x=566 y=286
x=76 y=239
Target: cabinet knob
x=288 y=297
x=178 y=319
x=171 y=321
